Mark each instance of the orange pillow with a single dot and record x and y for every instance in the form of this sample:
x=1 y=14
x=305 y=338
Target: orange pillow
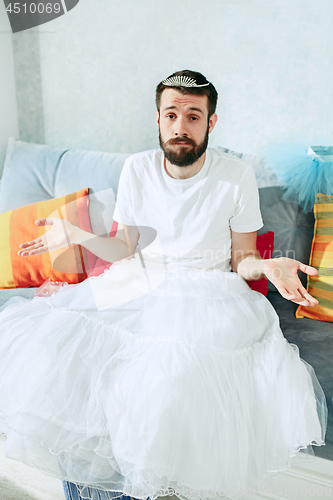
x=321 y=257
x=17 y=226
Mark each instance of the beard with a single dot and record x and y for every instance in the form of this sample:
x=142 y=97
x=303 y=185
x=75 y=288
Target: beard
x=183 y=156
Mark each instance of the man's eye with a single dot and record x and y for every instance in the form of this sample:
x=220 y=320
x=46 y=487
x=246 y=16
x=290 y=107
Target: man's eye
x=170 y=116
x=193 y=118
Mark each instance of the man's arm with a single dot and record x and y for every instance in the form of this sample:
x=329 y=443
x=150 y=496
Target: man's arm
x=63 y=233
x=124 y=245
x=282 y=272
x=245 y=259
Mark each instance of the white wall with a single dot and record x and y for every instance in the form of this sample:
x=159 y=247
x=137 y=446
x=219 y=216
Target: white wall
x=270 y=61
x=8 y=107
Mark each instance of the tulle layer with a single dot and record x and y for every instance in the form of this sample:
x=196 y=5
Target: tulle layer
x=188 y=388
x=303 y=175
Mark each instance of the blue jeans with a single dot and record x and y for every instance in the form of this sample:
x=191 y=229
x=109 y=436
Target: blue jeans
x=72 y=493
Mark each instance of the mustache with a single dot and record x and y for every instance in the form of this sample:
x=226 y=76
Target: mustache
x=180 y=140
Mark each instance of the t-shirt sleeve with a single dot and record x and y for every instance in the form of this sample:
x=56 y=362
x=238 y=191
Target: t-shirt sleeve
x=124 y=212
x=247 y=216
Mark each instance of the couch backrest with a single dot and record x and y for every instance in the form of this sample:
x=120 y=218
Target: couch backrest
x=34 y=172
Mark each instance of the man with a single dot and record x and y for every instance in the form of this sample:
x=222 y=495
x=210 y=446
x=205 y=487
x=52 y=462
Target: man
x=203 y=205
x=185 y=116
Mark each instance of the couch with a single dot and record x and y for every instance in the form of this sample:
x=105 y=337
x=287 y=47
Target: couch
x=37 y=172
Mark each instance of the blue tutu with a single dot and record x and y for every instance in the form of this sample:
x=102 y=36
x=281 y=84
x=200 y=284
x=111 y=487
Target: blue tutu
x=302 y=172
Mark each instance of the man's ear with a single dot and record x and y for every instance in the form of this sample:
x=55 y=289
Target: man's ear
x=158 y=117
x=212 y=122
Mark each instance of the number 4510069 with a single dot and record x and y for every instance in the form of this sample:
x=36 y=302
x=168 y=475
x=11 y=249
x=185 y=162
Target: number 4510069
x=32 y=8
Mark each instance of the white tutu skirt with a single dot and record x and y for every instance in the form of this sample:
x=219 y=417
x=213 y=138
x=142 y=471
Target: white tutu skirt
x=155 y=384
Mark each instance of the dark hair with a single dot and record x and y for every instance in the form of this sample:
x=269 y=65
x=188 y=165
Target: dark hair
x=200 y=79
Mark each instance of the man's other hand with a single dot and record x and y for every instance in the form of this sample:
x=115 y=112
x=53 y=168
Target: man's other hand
x=282 y=272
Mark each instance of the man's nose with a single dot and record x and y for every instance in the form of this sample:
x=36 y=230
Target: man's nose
x=180 y=127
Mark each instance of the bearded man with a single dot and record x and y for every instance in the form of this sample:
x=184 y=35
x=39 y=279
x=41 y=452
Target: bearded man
x=182 y=381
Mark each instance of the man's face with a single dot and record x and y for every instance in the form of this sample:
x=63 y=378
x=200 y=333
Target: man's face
x=183 y=126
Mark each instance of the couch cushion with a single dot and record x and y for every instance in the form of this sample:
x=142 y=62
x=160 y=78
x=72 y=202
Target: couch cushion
x=36 y=172
x=99 y=171
x=78 y=169
x=293 y=229
x=28 y=174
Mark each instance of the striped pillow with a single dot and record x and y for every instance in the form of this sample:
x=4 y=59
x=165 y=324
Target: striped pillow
x=321 y=286
x=17 y=226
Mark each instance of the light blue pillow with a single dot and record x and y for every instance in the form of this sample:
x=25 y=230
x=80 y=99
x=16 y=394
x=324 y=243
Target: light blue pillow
x=35 y=172
x=28 y=174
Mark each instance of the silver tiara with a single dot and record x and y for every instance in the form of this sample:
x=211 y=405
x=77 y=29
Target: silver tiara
x=182 y=81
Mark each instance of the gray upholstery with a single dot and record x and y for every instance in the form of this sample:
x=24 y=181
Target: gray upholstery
x=315 y=342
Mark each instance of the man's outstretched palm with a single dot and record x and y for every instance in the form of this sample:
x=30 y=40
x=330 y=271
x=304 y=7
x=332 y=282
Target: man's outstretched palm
x=59 y=236
x=282 y=272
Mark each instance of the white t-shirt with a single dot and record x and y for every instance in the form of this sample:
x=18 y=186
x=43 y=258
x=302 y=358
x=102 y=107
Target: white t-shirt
x=193 y=217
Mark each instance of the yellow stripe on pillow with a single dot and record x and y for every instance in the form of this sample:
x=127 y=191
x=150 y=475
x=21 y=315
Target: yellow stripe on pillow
x=5 y=260
x=321 y=286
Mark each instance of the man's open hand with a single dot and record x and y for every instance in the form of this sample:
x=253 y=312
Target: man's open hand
x=282 y=272
x=59 y=236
